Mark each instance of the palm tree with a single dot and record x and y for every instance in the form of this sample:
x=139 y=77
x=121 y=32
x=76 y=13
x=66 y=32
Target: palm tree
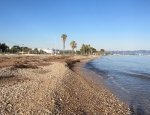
x=88 y=49
x=83 y=49
x=64 y=37
x=73 y=45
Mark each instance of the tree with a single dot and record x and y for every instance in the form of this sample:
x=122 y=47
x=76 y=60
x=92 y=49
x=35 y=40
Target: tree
x=87 y=50
x=15 y=49
x=73 y=45
x=41 y=52
x=25 y=49
x=93 y=50
x=35 y=51
x=102 y=51
x=64 y=37
x=3 y=47
x=82 y=50
x=78 y=52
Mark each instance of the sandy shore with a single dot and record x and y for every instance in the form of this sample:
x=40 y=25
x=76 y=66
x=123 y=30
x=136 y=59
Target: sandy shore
x=45 y=85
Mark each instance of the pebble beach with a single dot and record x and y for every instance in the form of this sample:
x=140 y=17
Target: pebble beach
x=46 y=85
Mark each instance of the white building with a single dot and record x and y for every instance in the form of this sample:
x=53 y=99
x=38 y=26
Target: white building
x=51 y=51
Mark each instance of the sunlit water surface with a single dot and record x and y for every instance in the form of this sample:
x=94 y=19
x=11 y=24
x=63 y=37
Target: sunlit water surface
x=128 y=77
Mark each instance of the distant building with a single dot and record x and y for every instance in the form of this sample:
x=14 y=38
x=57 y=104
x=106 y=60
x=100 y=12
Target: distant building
x=52 y=51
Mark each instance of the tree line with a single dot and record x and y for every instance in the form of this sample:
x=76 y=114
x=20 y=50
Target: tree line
x=17 y=49
x=84 y=50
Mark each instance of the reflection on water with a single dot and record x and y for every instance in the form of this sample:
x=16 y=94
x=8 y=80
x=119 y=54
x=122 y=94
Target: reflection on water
x=128 y=77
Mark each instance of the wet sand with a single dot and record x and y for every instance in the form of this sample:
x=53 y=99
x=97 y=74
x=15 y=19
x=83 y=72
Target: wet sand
x=36 y=85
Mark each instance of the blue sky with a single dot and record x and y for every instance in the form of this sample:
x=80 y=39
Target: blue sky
x=108 y=24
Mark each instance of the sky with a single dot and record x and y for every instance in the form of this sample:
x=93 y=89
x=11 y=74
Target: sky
x=108 y=24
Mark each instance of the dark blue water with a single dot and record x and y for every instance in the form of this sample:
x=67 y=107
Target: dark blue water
x=128 y=77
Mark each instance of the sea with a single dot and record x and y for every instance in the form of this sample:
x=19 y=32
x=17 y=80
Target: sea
x=128 y=78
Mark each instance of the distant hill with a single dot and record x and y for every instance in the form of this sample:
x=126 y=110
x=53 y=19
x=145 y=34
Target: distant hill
x=136 y=52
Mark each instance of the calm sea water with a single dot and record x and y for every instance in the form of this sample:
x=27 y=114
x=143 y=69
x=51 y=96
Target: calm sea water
x=128 y=77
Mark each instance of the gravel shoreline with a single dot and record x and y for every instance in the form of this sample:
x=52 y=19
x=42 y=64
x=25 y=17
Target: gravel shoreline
x=47 y=86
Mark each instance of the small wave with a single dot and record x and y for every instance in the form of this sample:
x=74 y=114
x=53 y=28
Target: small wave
x=96 y=70
x=138 y=75
x=117 y=84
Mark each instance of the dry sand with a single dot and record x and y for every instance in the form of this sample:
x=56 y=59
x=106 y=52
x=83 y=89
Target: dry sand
x=45 y=85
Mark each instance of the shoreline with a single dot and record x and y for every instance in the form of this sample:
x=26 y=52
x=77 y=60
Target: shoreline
x=109 y=103
x=51 y=87
x=79 y=68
